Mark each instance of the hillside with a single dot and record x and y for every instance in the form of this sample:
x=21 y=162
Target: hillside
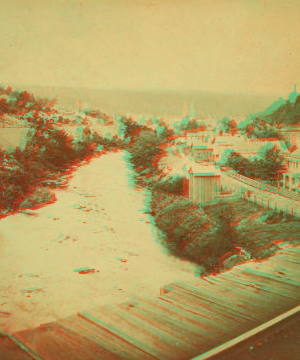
x=157 y=102
x=282 y=112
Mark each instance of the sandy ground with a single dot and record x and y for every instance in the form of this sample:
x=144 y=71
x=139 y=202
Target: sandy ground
x=12 y=137
x=98 y=222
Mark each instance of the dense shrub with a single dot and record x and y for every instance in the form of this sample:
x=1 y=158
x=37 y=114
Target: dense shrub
x=40 y=195
x=264 y=167
x=172 y=185
x=107 y=143
x=190 y=233
x=146 y=152
x=275 y=216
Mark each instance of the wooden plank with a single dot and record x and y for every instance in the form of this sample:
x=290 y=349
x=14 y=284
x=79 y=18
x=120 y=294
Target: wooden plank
x=201 y=315
x=9 y=350
x=293 y=258
x=206 y=311
x=179 y=331
x=250 y=301
x=266 y=272
x=242 y=296
x=272 y=303
x=283 y=271
x=121 y=348
x=257 y=282
x=270 y=283
x=207 y=296
x=221 y=319
x=194 y=332
x=255 y=291
x=140 y=333
x=289 y=258
x=292 y=251
x=52 y=341
x=200 y=331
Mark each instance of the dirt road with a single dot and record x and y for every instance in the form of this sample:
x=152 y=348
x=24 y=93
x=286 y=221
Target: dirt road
x=94 y=245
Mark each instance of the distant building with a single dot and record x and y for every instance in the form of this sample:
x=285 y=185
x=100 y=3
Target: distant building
x=290 y=178
x=202 y=153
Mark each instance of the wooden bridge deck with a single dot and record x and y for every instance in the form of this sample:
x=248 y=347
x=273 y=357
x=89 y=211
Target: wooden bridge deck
x=188 y=319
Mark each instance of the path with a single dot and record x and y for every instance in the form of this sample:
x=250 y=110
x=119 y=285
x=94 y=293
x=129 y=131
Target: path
x=99 y=223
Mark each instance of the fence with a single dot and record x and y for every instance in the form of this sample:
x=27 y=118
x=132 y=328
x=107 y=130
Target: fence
x=263 y=186
x=261 y=199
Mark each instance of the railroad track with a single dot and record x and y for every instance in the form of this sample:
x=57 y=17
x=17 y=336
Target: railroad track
x=188 y=320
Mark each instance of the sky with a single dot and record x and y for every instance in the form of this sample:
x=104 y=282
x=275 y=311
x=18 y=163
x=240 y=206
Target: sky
x=213 y=45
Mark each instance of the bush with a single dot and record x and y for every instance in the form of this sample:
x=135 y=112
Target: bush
x=275 y=216
x=190 y=234
x=146 y=153
x=172 y=185
x=10 y=197
x=39 y=196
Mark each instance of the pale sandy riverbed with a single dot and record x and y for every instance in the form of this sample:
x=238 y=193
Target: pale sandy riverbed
x=97 y=222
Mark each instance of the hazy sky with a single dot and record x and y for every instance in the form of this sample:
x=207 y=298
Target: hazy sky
x=218 y=45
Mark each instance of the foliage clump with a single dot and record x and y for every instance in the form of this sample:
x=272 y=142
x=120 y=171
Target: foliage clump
x=265 y=166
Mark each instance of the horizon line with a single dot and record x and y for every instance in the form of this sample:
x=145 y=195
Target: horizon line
x=127 y=89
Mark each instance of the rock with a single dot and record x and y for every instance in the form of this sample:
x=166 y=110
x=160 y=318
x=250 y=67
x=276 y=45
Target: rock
x=85 y=270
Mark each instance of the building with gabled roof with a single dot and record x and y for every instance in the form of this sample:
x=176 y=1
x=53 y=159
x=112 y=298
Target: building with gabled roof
x=290 y=177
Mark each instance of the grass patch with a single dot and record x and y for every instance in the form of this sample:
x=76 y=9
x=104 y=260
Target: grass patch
x=260 y=230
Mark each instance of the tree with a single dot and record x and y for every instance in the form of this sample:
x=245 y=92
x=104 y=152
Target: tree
x=146 y=152
x=224 y=124
x=237 y=162
x=265 y=167
x=131 y=129
x=228 y=126
x=271 y=162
